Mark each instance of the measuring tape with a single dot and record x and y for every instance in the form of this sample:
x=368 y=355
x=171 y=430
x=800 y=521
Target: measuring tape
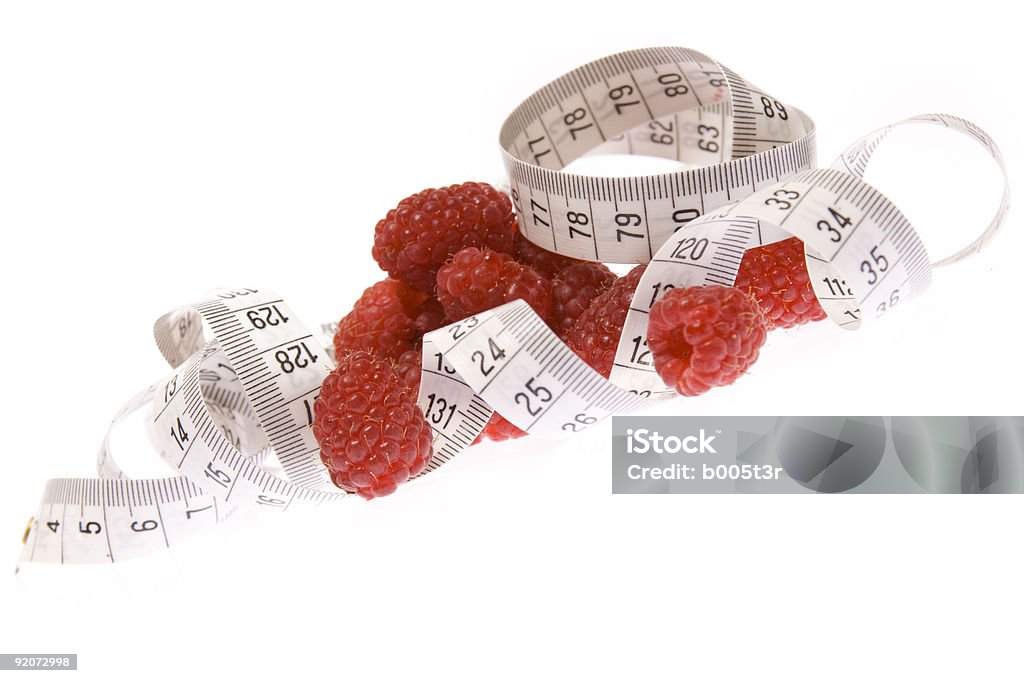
x=246 y=370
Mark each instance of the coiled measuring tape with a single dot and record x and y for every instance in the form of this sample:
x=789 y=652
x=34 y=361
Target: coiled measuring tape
x=246 y=371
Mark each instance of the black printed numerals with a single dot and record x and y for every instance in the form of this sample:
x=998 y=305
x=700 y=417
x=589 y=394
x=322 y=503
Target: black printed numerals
x=535 y=210
x=461 y=329
x=579 y=423
x=265 y=316
x=834 y=225
x=876 y=264
x=773 y=108
x=660 y=288
x=170 y=389
x=690 y=248
x=683 y=216
x=837 y=287
x=442 y=366
x=308 y=404
x=440 y=411
x=294 y=357
x=574 y=117
x=539 y=143
x=620 y=97
x=578 y=219
x=486 y=364
x=708 y=138
x=217 y=475
x=189 y=513
x=534 y=397
x=673 y=83
x=628 y=220
x=639 y=356
x=179 y=434
x=782 y=199
x=238 y=293
x=894 y=298
x=662 y=138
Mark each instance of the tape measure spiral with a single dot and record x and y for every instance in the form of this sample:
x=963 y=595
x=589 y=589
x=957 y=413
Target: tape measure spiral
x=246 y=371
x=672 y=103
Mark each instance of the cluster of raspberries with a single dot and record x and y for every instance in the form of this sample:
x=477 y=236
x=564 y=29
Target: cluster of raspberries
x=456 y=251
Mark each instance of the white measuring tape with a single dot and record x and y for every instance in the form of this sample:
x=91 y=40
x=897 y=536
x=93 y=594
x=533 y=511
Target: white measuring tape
x=247 y=372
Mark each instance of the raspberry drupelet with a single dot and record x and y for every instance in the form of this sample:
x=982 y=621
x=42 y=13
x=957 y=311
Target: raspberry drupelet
x=383 y=321
x=574 y=289
x=704 y=337
x=776 y=275
x=427 y=228
x=372 y=435
x=595 y=334
x=479 y=279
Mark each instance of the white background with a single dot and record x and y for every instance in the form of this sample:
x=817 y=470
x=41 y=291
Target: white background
x=150 y=153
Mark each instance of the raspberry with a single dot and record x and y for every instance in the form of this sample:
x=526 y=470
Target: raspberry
x=409 y=367
x=547 y=263
x=496 y=429
x=776 y=275
x=388 y=320
x=426 y=229
x=704 y=337
x=500 y=429
x=595 y=334
x=477 y=280
x=371 y=433
x=573 y=289
x=381 y=321
x=430 y=316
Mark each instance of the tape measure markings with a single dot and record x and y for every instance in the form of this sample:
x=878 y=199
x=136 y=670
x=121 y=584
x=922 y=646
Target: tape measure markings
x=292 y=440
x=688 y=195
x=217 y=427
x=862 y=222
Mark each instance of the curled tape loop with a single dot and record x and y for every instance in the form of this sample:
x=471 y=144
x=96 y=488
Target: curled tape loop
x=214 y=420
x=668 y=102
x=241 y=394
x=857 y=156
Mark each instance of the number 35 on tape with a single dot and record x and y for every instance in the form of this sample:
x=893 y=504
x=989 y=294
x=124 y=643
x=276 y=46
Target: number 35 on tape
x=246 y=371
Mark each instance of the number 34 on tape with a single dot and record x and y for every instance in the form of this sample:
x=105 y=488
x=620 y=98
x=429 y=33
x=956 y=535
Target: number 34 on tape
x=245 y=371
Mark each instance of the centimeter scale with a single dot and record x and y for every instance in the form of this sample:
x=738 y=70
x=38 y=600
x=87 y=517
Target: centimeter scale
x=246 y=371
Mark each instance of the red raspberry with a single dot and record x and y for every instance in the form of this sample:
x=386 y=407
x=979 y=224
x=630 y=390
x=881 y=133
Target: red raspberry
x=426 y=229
x=409 y=368
x=477 y=280
x=430 y=316
x=776 y=275
x=547 y=263
x=500 y=429
x=573 y=289
x=595 y=334
x=372 y=435
x=389 y=319
x=704 y=337
x=497 y=428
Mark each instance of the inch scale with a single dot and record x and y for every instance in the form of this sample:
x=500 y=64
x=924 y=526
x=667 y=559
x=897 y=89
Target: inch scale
x=246 y=371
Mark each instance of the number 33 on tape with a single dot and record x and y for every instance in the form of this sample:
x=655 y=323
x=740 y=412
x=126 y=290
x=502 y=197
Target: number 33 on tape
x=246 y=371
